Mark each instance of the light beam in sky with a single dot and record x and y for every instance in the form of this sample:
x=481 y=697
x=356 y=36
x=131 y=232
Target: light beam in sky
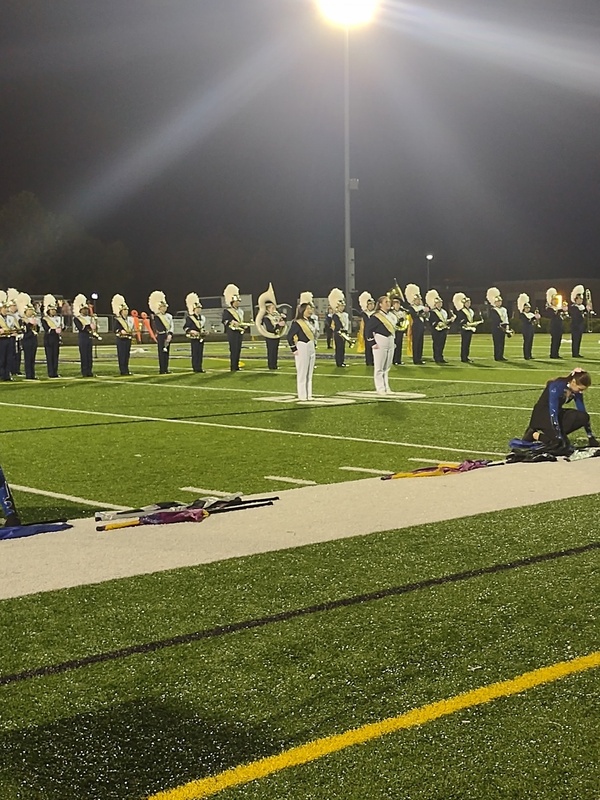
x=348 y=13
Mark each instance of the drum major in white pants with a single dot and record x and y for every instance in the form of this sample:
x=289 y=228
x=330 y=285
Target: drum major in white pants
x=305 y=364
x=383 y=356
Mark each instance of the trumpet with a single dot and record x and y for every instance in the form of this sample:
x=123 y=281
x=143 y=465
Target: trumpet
x=347 y=338
x=195 y=334
x=240 y=326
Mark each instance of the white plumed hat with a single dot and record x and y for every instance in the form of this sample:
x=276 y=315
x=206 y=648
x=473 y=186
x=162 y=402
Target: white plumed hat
x=231 y=293
x=579 y=289
x=118 y=304
x=412 y=292
x=23 y=302
x=306 y=297
x=49 y=302
x=550 y=295
x=492 y=295
x=79 y=303
x=335 y=297
x=459 y=300
x=363 y=299
x=431 y=297
x=155 y=300
x=192 y=301
x=522 y=301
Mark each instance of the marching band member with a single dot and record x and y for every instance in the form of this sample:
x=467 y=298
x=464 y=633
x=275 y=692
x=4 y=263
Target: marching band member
x=577 y=311
x=233 y=322
x=381 y=329
x=162 y=325
x=418 y=313
x=439 y=321
x=14 y=320
x=499 y=321
x=52 y=325
x=328 y=328
x=550 y=422
x=465 y=316
x=529 y=322
x=270 y=324
x=124 y=332
x=401 y=327
x=5 y=339
x=301 y=339
x=195 y=329
x=367 y=305
x=85 y=325
x=340 y=325
x=555 y=310
x=30 y=326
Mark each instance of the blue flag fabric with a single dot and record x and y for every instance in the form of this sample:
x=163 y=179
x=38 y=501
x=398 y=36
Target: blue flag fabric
x=18 y=531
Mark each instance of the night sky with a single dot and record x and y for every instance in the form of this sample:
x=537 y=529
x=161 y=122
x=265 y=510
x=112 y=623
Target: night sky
x=207 y=135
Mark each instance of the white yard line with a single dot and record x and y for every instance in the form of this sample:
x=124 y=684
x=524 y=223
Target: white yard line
x=248 y=428
x=299 y=481
x=208 y=492
x=73 y=498
x=369 y=471
x=196 y=388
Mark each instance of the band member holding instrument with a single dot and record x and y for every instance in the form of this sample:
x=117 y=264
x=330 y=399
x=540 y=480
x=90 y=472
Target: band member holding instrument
x=301 y=339
x=555 y=310
x=340 y=325
x=233 y=322
x=194 y=326
x=577 y=312
x=85 y=325
x=551 y=423
x=363 y=343
x=499 y=321
x=14 y=320
x=124 y=326
x=419 y=314
x=465 y=317
x=270 y=324
x=30 y=327
x=439 y=322
x=529 y=322
x=162 y=325
x=52 y=324
x=381 y=329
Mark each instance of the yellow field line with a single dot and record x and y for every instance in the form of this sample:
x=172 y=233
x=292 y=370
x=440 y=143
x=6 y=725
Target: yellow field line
x=318 y=748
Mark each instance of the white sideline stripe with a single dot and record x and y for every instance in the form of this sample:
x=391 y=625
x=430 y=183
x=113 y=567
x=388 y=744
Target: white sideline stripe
x=432 y=461
x=71 y=497
x=208 y=492
x=299 y=481
x=370 y=471
x=304 y=434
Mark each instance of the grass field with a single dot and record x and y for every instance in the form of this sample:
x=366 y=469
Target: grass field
x=151 y=683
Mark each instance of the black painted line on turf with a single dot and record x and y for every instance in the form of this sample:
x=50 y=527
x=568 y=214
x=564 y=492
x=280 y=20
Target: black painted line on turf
x=283 y=616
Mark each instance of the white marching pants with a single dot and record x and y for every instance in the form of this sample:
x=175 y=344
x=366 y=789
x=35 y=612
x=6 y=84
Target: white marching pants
x=383 y=355
x=305 y=364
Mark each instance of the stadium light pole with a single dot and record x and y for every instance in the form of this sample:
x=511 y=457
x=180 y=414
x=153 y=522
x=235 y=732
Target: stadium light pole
x=348 y=14
x=429 y=258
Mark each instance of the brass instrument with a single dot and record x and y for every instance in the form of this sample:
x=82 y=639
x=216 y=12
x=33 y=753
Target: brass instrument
x=347 y=338
x=395 y=291
x=240 y=326
x=196 y=334
x=472 y=326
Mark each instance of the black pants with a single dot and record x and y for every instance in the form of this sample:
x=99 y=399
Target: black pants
x=163 y=352
x=29 y=350
x=569 y=419
x=235 y=349
x=272 y=352
x=438 y=339
x=123 y=351
x=527 y=344
x=328 y=336
x=369 y=353
x=555 y=340
x=6 y=343
x=417 y=344
x=197 y=346
x=465 y=344
x=85 y=354
x=52 y=348
x=499 y=339
x=14 y=363
x=340 y=349
x=398 y=339
x=576 y=334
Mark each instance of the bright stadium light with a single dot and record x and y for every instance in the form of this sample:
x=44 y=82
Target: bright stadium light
x=348 y=13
